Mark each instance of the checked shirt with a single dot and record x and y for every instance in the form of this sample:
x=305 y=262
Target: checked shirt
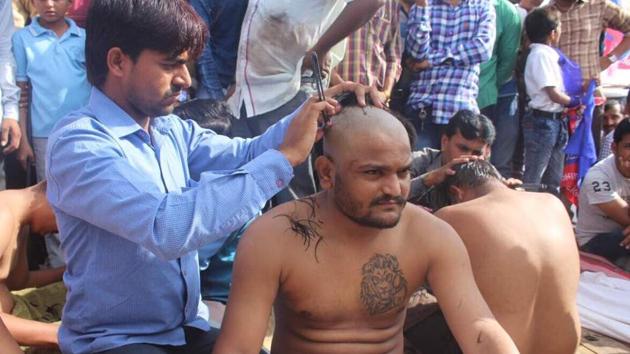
x=455 y=40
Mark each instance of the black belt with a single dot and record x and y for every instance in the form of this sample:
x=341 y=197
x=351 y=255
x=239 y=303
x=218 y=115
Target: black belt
x=545 y=114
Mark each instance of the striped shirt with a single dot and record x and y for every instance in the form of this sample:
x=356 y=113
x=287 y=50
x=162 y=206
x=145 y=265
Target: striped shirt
x=582 y=25
x=455 y=40
x=373 y=52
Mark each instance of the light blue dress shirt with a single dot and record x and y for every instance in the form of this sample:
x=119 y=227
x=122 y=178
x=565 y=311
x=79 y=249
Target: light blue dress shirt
x=55 y=68
x=131 y=217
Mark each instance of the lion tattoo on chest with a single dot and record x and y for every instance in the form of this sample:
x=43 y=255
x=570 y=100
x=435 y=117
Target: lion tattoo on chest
x=383 y=284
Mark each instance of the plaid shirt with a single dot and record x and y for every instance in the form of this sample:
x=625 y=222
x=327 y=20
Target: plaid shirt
x=582 y=25
x=455 y=40
x=374 y=51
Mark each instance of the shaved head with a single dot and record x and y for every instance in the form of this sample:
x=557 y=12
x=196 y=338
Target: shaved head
x=355 y=126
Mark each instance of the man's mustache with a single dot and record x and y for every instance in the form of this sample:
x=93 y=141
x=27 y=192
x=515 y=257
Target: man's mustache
x=388 y=199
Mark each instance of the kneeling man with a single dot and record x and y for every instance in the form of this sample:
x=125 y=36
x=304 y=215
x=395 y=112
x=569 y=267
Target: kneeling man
x=339 y=267
x=523 y=256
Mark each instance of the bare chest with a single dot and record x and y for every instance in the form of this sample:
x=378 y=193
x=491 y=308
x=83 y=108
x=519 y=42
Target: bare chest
x=355 y=290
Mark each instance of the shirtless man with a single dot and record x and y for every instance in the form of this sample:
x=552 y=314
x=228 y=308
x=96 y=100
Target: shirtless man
x=339 y=267
x=19 y=210
x=523 y=256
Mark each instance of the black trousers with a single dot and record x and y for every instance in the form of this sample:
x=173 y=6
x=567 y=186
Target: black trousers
x=197 y=342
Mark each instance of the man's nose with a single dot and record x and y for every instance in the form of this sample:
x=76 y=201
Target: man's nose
x=392 y=185
x=182 y=78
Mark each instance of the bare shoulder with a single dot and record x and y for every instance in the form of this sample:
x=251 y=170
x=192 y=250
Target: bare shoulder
x=289 y=219
x=430 y=228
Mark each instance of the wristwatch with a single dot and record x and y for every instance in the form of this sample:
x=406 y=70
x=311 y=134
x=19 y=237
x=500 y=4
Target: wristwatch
x=613 y=58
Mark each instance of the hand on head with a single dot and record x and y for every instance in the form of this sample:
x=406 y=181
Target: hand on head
x=303 y=131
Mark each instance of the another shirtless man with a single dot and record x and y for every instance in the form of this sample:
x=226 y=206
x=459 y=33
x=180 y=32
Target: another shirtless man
x=25 y=315
x=339 y=267
x=523 y=256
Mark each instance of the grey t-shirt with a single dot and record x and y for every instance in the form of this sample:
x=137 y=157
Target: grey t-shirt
x=423 y=161
x=603 y=183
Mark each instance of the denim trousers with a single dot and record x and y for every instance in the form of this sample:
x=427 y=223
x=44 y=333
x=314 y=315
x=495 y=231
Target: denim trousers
x=428 y=133
x=504 y=116
x=607 y=246
x=544 y=140
x=217 y=63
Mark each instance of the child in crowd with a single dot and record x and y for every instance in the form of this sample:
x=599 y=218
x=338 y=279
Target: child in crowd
x=612 y=117
x=544 y=126
x=50 y=58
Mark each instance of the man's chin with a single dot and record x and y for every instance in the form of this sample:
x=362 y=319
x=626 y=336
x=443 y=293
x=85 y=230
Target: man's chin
x=378 y=223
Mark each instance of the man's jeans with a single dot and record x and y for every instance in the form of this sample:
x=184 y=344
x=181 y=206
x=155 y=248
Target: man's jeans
x=428 y=133
x=607 y=246
x=545 y=140
x=505 y=119
x=217 y=63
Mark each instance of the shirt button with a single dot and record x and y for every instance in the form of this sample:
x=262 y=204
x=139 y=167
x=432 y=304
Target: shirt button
x=280 y=183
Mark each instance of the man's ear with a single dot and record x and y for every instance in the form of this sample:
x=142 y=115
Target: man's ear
x=325 y=171
x=117 y=61
x=456 y=193
x=443 y=142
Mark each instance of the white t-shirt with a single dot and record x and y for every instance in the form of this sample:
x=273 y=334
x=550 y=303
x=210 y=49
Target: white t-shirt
x=603 y=183
x=522 y=13
x=274 y=38
x=542 y=70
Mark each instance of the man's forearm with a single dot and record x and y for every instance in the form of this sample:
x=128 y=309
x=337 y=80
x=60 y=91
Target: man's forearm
x=45 y=277
x=355 y=15
x=31 y=333
x=493 y=339
x=622 y=47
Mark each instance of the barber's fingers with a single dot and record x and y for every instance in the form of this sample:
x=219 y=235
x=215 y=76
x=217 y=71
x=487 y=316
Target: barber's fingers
x=625 y=242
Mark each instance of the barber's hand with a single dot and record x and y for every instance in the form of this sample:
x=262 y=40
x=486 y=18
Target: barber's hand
x=25 y=154
x=626 y=241
x=303 y=132
x=512 y=182
x=416 y=65
x=438 y=176
x=11 y=135
x=359 y=90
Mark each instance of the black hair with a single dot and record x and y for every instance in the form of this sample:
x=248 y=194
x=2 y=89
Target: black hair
x=540 y=23
x=166 y=26
x=349 y=99
x=472 y=174
x=208 y=113
x=610 y=104
x=471 y=126
x=623 y=129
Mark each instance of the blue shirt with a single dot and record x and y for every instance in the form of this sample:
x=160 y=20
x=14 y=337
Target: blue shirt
x=55 y=67
x=455 y=40
x=131 y=217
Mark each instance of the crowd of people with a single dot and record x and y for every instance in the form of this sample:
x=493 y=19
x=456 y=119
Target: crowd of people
x=179 y=172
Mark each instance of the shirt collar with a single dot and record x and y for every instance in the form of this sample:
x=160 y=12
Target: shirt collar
x=110 y=114
x=37 y=29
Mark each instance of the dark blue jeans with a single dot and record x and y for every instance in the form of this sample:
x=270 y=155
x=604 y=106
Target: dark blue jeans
x=217 y=63
x=607 y=246
x=197 y=341
x=544 y=140
x=428 y=133
x=505 y=119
